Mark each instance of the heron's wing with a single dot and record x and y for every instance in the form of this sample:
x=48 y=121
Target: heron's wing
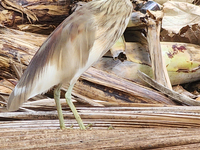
x=66 y=50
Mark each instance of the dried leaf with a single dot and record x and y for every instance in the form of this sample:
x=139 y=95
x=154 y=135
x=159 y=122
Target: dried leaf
x=175 y=14
x=163 y=1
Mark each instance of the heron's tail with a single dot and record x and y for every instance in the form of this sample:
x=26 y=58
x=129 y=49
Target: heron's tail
x=16 y=99
x=32 y=85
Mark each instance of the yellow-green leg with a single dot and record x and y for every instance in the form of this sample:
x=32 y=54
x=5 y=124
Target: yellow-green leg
x=58 y=106
x=72 y=107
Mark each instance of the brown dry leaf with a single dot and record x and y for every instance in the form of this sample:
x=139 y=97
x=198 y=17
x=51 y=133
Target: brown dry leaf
x=163 y=1
x=191 y=33
x=175 y=25
x=6 y=86
x=44 y=29
x=178 y=15
x=187 y=34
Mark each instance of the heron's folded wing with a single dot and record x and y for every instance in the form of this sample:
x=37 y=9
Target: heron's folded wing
x=65 y=50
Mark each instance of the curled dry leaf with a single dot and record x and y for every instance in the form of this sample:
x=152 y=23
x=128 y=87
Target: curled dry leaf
x=177 y=27
x=11 y=5
x=17 y=14
x=187 y=34
x=164 y=1
x=175 y=14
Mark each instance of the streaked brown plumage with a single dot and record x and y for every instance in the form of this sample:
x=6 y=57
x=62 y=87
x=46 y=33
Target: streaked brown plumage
x=72 y=48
